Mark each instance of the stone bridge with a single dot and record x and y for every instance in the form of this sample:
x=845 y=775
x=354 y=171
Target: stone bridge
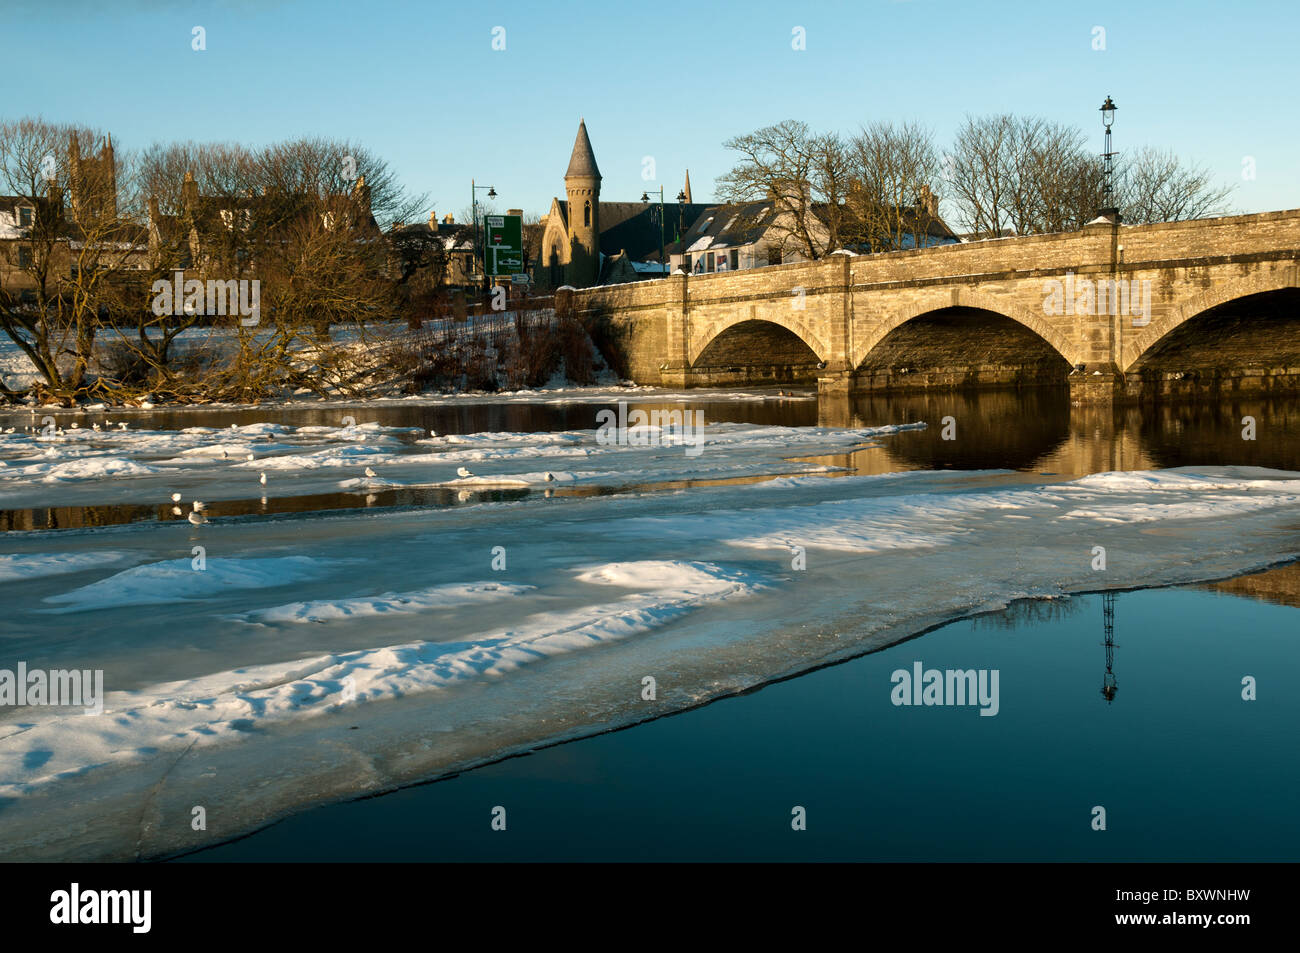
x=1200 y=307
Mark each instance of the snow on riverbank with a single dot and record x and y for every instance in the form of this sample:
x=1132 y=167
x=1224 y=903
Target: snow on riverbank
x=451 y=636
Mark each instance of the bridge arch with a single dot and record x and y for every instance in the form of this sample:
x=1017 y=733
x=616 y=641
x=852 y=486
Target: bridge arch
x=709 y=333
x=970 y=298
x=1139 y=346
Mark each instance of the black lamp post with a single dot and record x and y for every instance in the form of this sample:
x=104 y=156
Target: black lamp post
x=473 y=207
x=1109 y=208
x=681 y=224
x=645 y=197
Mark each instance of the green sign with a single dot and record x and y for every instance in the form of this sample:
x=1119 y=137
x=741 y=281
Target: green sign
x=503 y=245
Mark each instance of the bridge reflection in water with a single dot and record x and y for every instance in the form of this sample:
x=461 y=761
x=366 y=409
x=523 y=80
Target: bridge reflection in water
x=1039 y=429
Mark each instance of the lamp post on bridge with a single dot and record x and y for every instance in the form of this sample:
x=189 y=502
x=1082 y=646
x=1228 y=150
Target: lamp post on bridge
x=681 y=225
x=1108 y=209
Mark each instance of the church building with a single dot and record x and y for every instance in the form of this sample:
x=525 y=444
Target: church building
x=588 y=242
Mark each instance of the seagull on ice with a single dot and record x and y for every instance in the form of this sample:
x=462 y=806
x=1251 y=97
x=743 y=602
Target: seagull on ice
x=262 y=479
x=197 y=519
x=433 y=433
x=370 y=473
x=176 y=497
x=462 y=472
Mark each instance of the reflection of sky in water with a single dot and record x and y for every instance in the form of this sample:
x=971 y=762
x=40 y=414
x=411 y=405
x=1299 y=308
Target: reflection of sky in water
x=1186 y=769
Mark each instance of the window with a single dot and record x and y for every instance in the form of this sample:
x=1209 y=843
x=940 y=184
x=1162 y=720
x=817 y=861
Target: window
x=24 y=257
x=773 y=256
x=25 y=216
x=709 y=265
x=704 y=226
x=735 y=259
x=586 y=215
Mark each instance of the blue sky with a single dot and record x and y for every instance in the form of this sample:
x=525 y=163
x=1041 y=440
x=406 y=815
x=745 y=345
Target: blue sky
x=421 y=84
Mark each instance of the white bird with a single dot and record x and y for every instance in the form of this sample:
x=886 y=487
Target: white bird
x=197 y=519
x=94 y=427
x=176 y=497
x=121 y=424
x=433 y=433
x=262 y=479
x=370 y=472
x=199 y=506
x=250 y=456
x=550 y=477
x=462 y=472
x=74 y=426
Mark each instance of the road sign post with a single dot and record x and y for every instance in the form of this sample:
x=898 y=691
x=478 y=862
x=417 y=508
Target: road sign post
x=503 y=245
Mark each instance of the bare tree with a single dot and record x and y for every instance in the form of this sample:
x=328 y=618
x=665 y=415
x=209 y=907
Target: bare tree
x=978 y=167
x=1155 y=186
x=889 y=194
x=68 y=264
x=801 y=172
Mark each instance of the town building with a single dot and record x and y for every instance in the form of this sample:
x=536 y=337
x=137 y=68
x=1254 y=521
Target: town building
x=586 y=241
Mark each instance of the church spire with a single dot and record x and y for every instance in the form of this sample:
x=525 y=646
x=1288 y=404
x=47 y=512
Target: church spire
x=582 y=164
x=687 y=190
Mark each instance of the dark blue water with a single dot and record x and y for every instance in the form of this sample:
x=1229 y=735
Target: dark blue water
x=1184 y=767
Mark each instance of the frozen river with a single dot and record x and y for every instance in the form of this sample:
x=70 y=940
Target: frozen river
x=381 y=594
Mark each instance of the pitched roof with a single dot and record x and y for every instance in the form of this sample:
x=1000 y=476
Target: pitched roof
x=729 y=226
x=582 y=164
x=725 y=226
x=634 y=226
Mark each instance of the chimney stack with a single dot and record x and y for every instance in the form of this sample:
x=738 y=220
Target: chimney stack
x=190 y=193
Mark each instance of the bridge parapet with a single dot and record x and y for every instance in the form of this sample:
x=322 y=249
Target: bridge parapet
x=1100 y=298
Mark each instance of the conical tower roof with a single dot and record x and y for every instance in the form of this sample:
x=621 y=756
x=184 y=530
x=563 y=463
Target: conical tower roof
x=687 y=190
x=582 y=164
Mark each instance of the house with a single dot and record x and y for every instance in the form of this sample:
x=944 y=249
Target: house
x=446 y=245
x=768 y=232
x=45 y=240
